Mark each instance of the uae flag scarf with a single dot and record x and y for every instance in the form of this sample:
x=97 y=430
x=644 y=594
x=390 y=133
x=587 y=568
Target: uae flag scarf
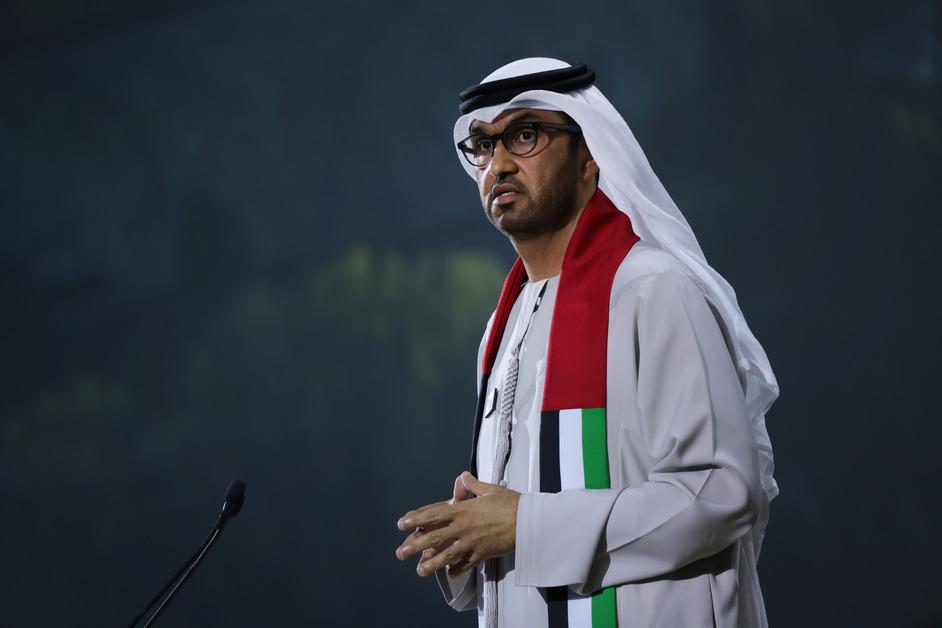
x=573 y=431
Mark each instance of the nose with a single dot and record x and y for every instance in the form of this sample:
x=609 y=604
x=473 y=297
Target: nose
x=502 y=162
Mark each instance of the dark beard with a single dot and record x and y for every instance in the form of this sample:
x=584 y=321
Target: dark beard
x=549 y=212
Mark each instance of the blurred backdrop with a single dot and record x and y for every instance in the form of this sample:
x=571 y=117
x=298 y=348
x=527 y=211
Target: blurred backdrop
x=236 y=243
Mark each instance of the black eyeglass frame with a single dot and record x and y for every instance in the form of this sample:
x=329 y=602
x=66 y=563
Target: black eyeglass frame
x=502 y=136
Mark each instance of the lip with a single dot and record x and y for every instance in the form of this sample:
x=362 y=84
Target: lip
x=504 y=193
x=507 y=197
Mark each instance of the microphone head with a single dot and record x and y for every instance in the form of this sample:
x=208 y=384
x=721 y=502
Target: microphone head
x=235 y=497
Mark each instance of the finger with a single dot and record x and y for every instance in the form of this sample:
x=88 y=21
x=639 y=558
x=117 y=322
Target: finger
x=404 y=522
x=427 y=506
x=470 y=561
x=428 y=553
x=420 y=544
x=476 y=486
x=434 y=515
x=460 y=493
x=418 y=534
x=451 y=555
x=432 y=551
x=435 y=549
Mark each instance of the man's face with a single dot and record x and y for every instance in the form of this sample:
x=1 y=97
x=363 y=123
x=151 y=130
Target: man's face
x=526 y=196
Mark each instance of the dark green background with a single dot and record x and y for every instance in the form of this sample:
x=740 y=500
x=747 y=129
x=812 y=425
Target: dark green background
x=235 y=241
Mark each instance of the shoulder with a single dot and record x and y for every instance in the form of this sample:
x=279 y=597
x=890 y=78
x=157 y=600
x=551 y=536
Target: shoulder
x=652 y=289
x=647 y=266
x=486 y=334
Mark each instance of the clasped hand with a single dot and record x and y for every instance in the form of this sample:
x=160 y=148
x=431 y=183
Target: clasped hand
x=461 y=532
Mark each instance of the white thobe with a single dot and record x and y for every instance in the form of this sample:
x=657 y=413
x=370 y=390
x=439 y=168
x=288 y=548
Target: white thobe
x=682 y=457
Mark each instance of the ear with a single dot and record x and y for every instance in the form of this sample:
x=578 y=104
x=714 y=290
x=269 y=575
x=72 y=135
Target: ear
x=590 y=170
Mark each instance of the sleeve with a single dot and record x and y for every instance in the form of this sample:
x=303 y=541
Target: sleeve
x=461 y=591
x=703 y=489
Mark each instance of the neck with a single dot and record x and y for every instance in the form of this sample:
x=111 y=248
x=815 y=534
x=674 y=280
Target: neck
x=543 y=255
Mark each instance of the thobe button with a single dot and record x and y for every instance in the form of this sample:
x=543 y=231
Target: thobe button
x=503 y=483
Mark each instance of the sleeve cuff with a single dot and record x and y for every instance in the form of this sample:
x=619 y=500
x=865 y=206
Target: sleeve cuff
x=558 y=535
x=528 y=512
x=459 y=591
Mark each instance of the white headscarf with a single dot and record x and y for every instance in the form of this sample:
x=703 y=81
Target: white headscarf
x=628 y=180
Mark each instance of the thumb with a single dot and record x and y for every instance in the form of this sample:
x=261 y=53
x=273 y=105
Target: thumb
x=475 y=485
x=461 y=492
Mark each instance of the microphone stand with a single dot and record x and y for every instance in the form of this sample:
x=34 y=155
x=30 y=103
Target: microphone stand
x=230 y=508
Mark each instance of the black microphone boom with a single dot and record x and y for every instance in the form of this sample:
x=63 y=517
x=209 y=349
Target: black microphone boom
x=235 y=497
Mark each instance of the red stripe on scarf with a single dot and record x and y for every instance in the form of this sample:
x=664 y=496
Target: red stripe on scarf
x=578 y=343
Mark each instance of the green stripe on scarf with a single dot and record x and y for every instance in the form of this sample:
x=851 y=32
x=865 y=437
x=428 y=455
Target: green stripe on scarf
x=603 y=608
x=594 y=448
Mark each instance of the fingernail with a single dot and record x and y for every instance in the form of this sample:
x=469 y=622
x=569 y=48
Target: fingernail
x=421 y=570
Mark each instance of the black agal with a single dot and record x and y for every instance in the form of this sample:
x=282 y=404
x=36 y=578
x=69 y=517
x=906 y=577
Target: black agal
x=500 y=91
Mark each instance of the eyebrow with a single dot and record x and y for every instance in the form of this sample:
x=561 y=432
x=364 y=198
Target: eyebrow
x=523 y=117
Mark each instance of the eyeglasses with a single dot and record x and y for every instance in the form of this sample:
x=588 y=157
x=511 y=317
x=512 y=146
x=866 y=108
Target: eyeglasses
x=521 y=139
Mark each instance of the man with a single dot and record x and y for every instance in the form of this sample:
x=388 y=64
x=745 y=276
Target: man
x=621 y=469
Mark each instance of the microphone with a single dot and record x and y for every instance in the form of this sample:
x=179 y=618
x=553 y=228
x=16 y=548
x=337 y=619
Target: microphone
x=235 y=497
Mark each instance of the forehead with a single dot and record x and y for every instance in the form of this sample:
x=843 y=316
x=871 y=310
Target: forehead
x=509 y=116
